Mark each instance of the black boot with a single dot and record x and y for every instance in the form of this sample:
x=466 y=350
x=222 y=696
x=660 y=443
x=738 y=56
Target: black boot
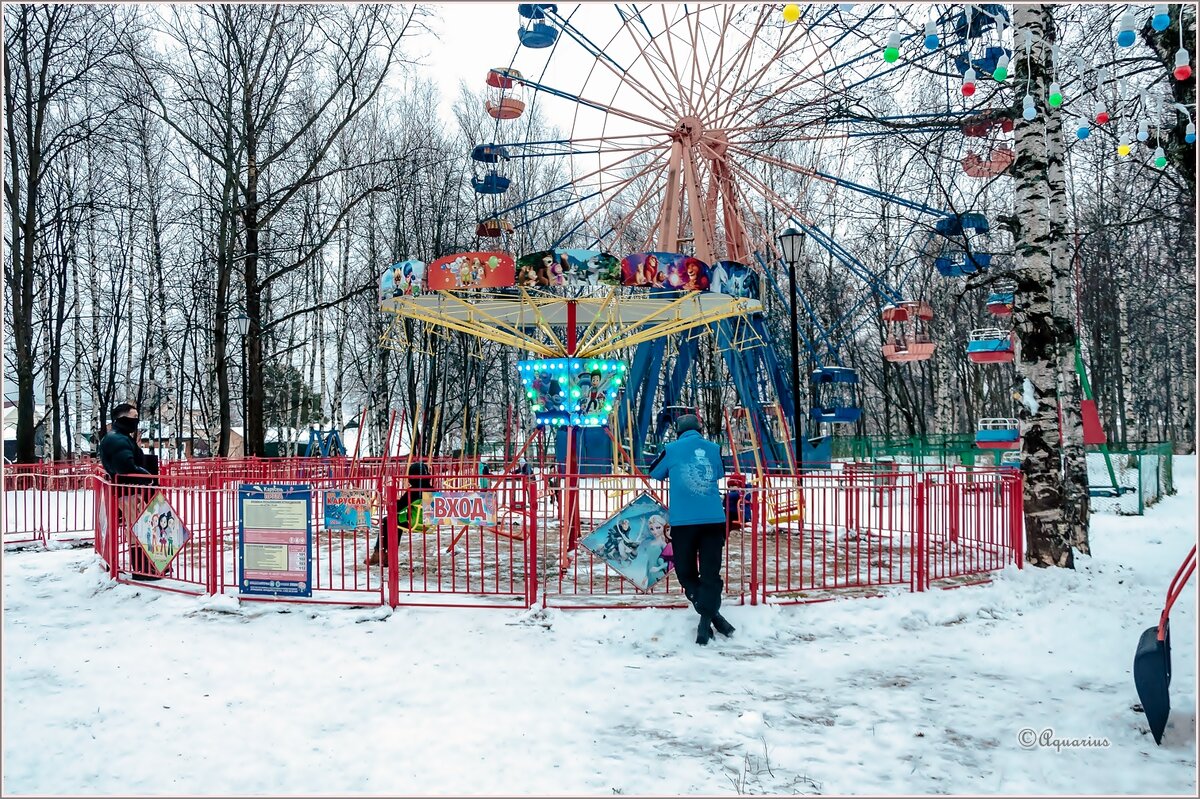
x=704 y=632
x=722 y=626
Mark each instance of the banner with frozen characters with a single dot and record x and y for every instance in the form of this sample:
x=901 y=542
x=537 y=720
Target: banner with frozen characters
x=735 y=279
x=160 y=532
x=635 y=542
x=471 y=270
x=401 y=280
x=669 y=270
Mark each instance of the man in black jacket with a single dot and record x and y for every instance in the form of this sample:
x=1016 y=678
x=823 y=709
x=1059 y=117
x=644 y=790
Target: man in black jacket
x=125 y=464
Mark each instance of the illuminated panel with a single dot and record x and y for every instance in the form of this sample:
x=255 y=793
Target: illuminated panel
x=571 y=391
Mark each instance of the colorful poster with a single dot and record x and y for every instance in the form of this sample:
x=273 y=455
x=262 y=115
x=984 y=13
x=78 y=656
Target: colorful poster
x=635 y=542
x=348 y=510
x=275 y=541
x=668 y=270
x=572 y=391
x=160 y=532
x=401 y=280
x=471 y=270
x=473 y=508
x=590 y=267
x=735 y=279
x=542 y=269
x=556 y=268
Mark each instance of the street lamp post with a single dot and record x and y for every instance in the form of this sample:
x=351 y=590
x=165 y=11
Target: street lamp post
x=241 y=323
x=791 y=245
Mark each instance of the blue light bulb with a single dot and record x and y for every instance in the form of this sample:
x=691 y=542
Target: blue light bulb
x=1161 y=19
x=1143 y=131
x=1082 y=131
x=1028 y=110
x=1189 y=134
x=931 y=37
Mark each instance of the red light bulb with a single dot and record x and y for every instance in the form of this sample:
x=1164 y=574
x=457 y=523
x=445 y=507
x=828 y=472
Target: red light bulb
x=1183 y=73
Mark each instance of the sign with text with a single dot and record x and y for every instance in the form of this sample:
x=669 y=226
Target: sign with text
x=275 y=541
x=462 y=507
x=348 y=509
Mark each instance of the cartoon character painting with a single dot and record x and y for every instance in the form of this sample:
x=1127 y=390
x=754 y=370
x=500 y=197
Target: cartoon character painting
x=633 y=542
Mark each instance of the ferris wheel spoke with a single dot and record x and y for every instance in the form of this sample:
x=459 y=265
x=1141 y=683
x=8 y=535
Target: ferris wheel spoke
x=621 y=72
x=835 y=181
x=643 y=198
x=583 y=101
x=739 y=62
x=650 y=49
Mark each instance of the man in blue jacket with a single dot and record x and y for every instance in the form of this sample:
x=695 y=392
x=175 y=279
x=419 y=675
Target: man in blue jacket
x=697 y=516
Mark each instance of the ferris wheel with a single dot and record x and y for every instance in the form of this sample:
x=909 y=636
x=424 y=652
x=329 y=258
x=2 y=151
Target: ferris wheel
x=700 y=129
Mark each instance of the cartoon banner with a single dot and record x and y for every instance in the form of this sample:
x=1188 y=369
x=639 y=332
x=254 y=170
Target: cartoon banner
x=554 y=268
x=635 y=542
x=668 y=270
x=275 y=540
x=348 y=510
x=461 y=507
x=160 y=532
x=735 y=279
x=471 y=270
x=401 y=280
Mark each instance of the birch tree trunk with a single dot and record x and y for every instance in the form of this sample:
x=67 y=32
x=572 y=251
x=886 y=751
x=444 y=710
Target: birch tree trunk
x=1047 y=523
x=1069 y=398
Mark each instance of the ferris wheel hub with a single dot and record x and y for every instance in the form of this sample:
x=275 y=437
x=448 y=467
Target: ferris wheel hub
x=689 y=131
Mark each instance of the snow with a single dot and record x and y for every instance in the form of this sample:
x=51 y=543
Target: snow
x=124 y=689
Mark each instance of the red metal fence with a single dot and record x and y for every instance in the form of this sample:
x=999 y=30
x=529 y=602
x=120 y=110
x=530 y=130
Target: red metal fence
x=793 y=539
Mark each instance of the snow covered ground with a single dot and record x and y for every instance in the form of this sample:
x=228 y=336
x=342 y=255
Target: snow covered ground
x=120 y=689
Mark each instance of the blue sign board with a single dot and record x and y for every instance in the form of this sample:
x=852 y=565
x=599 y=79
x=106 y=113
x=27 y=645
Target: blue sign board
x=275 y=540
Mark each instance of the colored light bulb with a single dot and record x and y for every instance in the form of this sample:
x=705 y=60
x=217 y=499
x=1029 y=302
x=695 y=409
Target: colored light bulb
x=1183 y=67
x=1082 y=131
x=931 y=37
x=791 y=13
x=1123 y=147
x=1143 y=132
x=1101 y=113
x=1189 y=133
x=1001 y=70
x=1126 y=36
x=968 y=86
x=1160 y=157
x=892 y=52
x=1027 y=108
x=1055 y=99
x=1161 y=19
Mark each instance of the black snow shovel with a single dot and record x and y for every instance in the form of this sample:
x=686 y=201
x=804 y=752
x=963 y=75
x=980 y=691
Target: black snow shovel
x=1152 y=660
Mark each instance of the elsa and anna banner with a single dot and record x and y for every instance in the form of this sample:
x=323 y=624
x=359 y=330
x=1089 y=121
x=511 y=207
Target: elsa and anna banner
x=549 y=269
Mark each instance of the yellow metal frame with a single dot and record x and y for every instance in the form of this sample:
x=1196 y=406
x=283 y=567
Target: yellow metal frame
x=606 y=333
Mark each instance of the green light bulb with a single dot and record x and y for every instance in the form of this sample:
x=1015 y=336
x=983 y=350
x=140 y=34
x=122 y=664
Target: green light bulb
x=1000 y=74
x=1055 y=99
x=891 y=54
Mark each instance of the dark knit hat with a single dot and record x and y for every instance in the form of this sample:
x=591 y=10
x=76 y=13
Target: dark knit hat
x=689 y=421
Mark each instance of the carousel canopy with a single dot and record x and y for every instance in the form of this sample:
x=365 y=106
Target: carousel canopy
x=534 y=321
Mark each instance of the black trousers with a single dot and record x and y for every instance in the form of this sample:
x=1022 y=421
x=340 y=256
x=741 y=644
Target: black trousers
x=697 y=549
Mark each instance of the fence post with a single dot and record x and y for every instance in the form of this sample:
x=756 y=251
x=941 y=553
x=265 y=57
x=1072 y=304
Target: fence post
x=213 y=547
x=920 y=545
x=531 y=541
x=115 y=536
x=755 y=520
x=393 y=541
x=1017 y=523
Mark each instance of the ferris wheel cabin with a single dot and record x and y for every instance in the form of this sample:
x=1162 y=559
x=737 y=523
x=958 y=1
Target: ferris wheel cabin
x=835 y=394
x=907 y=327
x=535 y=32
x=991 y=345
x=504 y=95
x=995 y=433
